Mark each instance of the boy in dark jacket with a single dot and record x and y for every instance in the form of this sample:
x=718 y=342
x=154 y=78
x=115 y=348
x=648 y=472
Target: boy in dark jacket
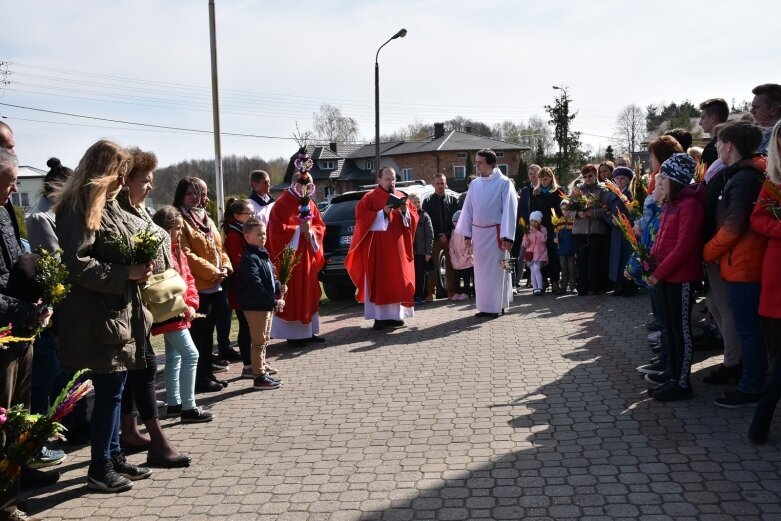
x=257 y=289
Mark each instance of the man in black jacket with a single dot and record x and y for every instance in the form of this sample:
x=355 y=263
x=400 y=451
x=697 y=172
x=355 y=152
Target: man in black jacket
x=441 y=206
x=16 y=267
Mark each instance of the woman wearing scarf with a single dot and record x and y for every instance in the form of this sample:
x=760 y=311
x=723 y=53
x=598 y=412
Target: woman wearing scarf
x=546 y=198
x=202 y=245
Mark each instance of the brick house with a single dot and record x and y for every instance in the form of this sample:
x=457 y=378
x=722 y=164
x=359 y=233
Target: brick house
x=444 y=152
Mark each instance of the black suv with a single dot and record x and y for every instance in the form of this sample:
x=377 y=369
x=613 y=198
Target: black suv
x=339 y=220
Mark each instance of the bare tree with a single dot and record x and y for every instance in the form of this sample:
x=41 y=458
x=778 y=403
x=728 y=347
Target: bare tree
x=333 y=126
x=630 y=127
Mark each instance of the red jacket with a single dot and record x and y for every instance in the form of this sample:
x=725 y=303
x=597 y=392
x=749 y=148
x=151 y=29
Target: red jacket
x=677 y=250
x=234 y=247
x=179 y=263
x=769 y=227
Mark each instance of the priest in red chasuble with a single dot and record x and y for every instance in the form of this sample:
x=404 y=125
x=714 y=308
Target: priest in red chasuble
x=381 y=259
x=295 y=222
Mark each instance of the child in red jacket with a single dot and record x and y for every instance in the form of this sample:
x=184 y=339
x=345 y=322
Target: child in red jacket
x=677 y=258
x=236 y=214
x=181 y=355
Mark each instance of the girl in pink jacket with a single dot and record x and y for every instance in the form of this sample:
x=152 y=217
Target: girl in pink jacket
x=535 y=244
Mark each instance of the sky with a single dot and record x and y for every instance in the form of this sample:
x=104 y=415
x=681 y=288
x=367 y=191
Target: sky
x=148 y=61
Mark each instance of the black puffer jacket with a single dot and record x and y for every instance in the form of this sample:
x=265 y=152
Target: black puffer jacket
x=14 y=307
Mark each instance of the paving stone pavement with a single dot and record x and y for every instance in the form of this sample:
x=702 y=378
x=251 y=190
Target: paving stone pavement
x=537 y=415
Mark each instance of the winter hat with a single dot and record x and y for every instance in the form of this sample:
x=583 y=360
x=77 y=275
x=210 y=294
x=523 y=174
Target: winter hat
x=536 y=216
x=623 y=171
x=456 y=216
x=679 y=168
x=563 y=202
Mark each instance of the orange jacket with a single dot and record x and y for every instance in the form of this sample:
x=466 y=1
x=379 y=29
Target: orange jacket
x=736 y=246
x=204 y=255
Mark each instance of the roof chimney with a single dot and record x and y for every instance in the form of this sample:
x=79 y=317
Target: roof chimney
x=332 y=146
x=439 y=130
x=468 y=130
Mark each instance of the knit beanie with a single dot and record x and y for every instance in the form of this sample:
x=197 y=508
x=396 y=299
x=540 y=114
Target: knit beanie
x=679 y=168
x=536 y=216
x=623 y=171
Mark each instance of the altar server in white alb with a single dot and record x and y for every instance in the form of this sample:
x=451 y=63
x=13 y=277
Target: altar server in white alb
x=488 y=222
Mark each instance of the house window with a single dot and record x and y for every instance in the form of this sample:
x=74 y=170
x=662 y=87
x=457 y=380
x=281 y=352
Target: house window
x=503 y=168
x=500 y=154
x=459 y=172
x=462 y=155
x=327 y=165
x=369 y=165
x=328 y=192
x=406 y=174
x=21 y=199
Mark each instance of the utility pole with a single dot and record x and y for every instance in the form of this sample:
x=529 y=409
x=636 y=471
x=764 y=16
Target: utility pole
x=219 y=195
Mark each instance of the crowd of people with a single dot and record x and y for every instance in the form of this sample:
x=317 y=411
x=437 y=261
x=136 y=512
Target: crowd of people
x=711 y=222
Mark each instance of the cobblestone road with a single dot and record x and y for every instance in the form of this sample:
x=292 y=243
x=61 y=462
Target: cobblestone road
x=536 y=415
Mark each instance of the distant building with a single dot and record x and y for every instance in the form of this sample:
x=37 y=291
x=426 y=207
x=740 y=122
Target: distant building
x=344 y=168
x=29 y=186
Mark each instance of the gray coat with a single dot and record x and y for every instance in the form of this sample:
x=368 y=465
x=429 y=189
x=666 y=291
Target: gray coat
x=424 y=235
x=103 y=322
x=596 y=222
x=41 y=227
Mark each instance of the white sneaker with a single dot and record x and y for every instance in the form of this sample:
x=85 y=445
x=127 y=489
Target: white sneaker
x=654 y=337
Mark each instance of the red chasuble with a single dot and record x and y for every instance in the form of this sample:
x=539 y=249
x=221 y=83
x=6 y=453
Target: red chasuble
x=385 y=259
x=303 y=289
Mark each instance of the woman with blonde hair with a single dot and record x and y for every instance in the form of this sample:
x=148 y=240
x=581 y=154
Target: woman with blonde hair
x=546 y=198
x=105 y=323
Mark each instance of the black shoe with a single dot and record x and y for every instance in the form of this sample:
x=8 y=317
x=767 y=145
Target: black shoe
x=298 y=341
x=483 y=314
x=33 y=478
x=128 y=470
x=216 y=360
x=656 y=349
x=197 y=415
x=395 y=323
x=219 y=368
x=106 y=479
x=723 y=375
x=180 y=461
x=652 y=326
x=230 y=354
x=316 y=339
x=221 y=383
x=379 y=325
x=657 y=378
x=672 y=392
x=653 y=368
x=173 y=411
x=207 y=387
x=735 y=399
x=265 y=383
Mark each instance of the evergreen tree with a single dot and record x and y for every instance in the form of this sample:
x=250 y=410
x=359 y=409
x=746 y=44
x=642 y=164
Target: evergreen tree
x=609 y=153
x=568 y=141
x=470 y=166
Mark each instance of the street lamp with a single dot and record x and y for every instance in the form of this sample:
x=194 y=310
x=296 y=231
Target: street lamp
x=401 y=34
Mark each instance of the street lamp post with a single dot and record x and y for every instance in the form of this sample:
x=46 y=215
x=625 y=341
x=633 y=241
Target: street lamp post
x=401 y=34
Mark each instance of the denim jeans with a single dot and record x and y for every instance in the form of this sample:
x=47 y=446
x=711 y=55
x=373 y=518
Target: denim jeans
x=104 y=428
x=744 y=303
x=181 y=363
x=656 y=308
x=46 y=381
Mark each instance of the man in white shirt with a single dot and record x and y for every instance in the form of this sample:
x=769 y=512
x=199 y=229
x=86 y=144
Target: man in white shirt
x=488 y=222
x=260 y=199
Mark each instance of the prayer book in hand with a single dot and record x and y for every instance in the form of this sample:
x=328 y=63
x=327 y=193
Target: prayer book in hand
x=395 y=201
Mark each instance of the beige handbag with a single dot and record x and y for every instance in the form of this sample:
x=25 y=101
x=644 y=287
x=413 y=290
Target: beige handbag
x=163 y=295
